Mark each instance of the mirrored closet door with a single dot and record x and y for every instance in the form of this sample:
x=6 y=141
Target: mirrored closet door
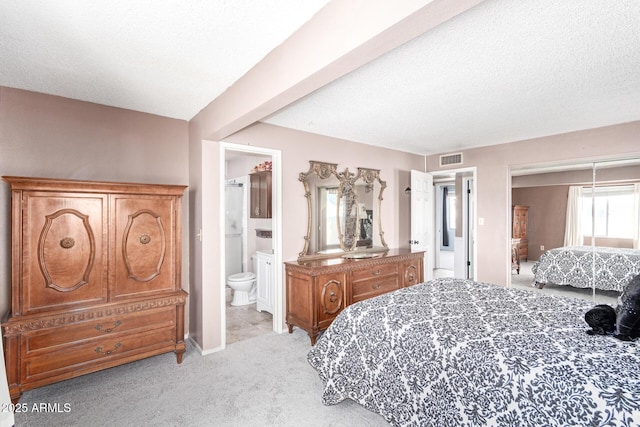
x=579 y=225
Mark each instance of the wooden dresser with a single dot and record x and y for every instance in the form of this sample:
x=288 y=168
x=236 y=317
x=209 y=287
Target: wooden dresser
x=318 y=290
x=95 y=278
x=520 y=223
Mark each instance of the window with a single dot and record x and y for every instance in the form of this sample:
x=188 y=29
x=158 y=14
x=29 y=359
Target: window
x=451 y=200
x=327 y=215
x=613 y=213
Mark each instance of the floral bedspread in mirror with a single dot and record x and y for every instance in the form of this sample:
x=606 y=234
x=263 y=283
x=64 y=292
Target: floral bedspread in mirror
x=574 y=266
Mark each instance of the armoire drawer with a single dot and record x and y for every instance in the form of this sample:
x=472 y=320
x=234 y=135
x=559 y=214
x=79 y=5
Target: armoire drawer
x=96 y=352
x=46 y=340
x=365 y=289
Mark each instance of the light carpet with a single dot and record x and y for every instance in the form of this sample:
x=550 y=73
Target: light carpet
x=262 y=381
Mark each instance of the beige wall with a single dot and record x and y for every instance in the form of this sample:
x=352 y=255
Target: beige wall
x=494 y=181
x=49 y=136
x=546 y=216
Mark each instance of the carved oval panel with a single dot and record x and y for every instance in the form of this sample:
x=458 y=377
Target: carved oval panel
x=411 y=275
x=66 y=250
x=143 y=245
x=331 y=297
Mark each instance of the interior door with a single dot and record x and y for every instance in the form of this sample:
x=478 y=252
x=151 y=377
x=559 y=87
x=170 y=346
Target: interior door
x=469 y=225
x=422 y=224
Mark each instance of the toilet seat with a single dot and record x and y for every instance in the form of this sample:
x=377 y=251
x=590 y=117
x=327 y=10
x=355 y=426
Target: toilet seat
x=241 y=277
x=244 y=288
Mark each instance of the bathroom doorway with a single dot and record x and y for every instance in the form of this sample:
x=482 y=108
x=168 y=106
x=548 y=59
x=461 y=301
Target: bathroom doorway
x=247 y=240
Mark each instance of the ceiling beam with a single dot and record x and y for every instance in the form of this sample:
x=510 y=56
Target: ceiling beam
x=341 y=37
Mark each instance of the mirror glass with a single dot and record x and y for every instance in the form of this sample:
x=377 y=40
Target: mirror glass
x=343 y=212
x=321 y=184
x=369 y=190
x=586 y=212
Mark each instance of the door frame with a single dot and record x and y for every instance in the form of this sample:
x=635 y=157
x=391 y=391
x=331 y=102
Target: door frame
x=469 y=227
x=438 y=188
x=276 y=224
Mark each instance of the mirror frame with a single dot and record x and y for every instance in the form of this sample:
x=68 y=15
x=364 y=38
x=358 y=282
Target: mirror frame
x=345 y=189
x=323 y=171
x=346 y=179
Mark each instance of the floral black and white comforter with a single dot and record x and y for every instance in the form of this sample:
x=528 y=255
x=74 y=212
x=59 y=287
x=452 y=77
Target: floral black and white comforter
x=453 y=352
x=574 y=265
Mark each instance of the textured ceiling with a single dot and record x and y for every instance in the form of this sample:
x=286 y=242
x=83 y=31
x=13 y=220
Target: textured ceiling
x=168 y=57
x=503 y=71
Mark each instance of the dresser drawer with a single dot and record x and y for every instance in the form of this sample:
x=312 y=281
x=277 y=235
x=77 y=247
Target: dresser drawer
x=370 y=288
x=46 y=340
x=374 y=271
x=95 y=353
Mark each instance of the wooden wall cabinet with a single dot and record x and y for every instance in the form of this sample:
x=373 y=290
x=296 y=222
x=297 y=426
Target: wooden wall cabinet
x=318 y=290
x=260 y=197
x=520 y=220
x=95 y=278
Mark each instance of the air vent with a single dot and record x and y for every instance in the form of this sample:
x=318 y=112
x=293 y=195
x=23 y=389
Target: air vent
x=451 y=159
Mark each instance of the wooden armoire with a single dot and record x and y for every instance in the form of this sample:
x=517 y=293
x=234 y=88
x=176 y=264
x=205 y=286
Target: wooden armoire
x=519 y=236
x=95 y=278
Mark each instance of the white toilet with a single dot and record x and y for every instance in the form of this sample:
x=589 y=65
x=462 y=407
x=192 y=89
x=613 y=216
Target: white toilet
x=244 y=288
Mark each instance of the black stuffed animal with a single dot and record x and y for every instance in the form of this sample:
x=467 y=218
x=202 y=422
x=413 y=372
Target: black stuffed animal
x=624 y=320
x=628 y=311
x=602 y=319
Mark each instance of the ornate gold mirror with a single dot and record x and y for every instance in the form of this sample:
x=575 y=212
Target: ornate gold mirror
x=343 y=212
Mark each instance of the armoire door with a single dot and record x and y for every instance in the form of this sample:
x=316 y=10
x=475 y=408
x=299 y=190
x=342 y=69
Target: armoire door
x=143 y=244
x=63 y=262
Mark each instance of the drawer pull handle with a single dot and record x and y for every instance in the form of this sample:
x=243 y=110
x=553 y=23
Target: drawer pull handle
x=376 y=272
x=375 y=286
x=332 y=296
x=115 y=325
x=106 y=353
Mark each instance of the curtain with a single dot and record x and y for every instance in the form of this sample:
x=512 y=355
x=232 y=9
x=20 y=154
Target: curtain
x=445 y=224
x=636 y=216
x=573 y=228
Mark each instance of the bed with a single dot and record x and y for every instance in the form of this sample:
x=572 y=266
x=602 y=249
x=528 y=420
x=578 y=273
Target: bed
x=453 y=352
x=573 y=265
